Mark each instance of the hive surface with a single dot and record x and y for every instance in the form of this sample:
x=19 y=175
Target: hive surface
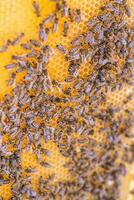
x=18 y=16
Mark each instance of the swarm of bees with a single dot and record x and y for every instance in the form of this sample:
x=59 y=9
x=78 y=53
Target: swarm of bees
x=108 y=39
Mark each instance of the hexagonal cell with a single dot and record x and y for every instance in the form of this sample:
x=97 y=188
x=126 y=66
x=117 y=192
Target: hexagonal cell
x=5 y=191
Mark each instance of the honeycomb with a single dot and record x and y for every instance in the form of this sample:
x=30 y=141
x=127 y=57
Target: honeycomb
x=18 y=16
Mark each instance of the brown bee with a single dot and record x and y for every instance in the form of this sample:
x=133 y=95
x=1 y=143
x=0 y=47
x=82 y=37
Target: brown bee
x=37 y=8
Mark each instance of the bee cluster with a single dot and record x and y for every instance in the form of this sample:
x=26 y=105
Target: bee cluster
x=108 y=40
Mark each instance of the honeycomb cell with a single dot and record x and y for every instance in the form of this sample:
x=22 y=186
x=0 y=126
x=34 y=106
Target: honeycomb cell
x=5 y=191
x=28 y=159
